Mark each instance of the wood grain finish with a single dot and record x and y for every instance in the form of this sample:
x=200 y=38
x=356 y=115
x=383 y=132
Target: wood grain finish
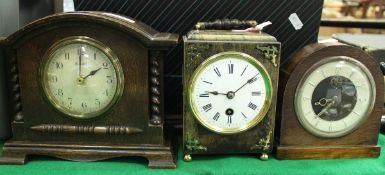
x=328 y=152
x=81 y=129
x=16 y=152
x=132 y=42
x=294 y=142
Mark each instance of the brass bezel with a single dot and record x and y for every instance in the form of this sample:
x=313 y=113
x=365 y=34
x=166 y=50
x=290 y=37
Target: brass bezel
x=308 y=127
x=88 y=41
x=237 y=55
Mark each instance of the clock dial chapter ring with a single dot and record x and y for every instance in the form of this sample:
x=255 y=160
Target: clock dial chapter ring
x=334 y=97
x=82 y=77
x=222 y=113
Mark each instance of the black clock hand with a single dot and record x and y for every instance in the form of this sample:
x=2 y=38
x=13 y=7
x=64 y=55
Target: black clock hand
x=215 y=93
x=249 y=81
x=80 y=63
x=92 y=73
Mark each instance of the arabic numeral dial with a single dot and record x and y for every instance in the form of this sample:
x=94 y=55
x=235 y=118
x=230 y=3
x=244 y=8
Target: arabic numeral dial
x=81 y=77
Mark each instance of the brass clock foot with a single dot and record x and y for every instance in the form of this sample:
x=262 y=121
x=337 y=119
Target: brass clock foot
x=156 y=120
x=264 y=156
x=187 y=158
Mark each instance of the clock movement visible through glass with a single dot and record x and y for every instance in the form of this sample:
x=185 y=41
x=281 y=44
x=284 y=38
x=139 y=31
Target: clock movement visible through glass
x=81 y=77
x=334 y=97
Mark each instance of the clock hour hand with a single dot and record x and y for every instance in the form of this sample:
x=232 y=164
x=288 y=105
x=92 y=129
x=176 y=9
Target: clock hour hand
x=249 y=81
x=92 y=73
x=324 y=102
x=215 y=93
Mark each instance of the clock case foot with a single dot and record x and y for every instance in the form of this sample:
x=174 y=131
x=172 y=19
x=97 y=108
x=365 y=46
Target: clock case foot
x=158 y=156
x=262 y=156
x=334 y=152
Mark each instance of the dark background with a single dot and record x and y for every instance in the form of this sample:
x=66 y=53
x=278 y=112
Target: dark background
x=179 y=16
x=13 y=15
x=176 y=16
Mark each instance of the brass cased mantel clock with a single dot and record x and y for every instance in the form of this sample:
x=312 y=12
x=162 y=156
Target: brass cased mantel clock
x=230 y=80
x=87 y=86
x=332 y=100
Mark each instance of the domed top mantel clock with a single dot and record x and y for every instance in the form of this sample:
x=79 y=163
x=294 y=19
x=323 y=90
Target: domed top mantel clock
x=87 y=86
x=332 y=100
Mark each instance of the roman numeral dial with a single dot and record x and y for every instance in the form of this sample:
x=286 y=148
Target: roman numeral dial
x=230 y=93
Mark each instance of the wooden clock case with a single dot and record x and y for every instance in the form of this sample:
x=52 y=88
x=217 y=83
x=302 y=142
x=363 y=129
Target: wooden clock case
x=294 y=142
x=132 y=127
x=202 y=44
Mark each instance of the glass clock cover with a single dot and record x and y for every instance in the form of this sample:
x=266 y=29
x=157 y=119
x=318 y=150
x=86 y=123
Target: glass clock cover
x=334 y=97
x=230 y=92
x=81 y=77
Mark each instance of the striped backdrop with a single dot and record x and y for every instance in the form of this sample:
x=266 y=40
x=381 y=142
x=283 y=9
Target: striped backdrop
x=179 y=16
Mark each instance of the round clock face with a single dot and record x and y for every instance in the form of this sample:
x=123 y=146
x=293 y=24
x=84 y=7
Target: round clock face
x=81 y=77
x=230 y=92
x=334 y=97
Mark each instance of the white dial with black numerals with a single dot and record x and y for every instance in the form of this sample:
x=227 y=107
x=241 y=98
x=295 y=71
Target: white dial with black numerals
x=334 y=97
x=230 y=92
x=81 y=77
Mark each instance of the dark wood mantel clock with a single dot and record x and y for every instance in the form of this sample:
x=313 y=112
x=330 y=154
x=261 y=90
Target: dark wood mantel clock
x=87 y=86
x=332 y=100
x=230 y=80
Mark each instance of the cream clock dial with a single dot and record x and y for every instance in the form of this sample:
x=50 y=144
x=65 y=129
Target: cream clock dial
x=81 y=77
x=230 y=92
x=334 y=97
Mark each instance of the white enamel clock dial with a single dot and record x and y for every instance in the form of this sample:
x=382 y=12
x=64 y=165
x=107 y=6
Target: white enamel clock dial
x=335 y=97
x=81 y=77
x=230 y=92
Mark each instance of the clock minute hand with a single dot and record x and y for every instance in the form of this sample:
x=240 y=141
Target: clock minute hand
x=80 y=63
x=249 y=81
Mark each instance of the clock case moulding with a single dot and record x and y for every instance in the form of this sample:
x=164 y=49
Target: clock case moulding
x=202 y=44
x=39 y=129
x=293 y=141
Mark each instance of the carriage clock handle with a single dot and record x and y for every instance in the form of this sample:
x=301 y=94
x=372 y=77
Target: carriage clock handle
x=226 y=24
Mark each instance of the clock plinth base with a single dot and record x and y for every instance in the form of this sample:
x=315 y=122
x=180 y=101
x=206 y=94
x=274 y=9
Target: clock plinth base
x=158 y=156
x=330 y=152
